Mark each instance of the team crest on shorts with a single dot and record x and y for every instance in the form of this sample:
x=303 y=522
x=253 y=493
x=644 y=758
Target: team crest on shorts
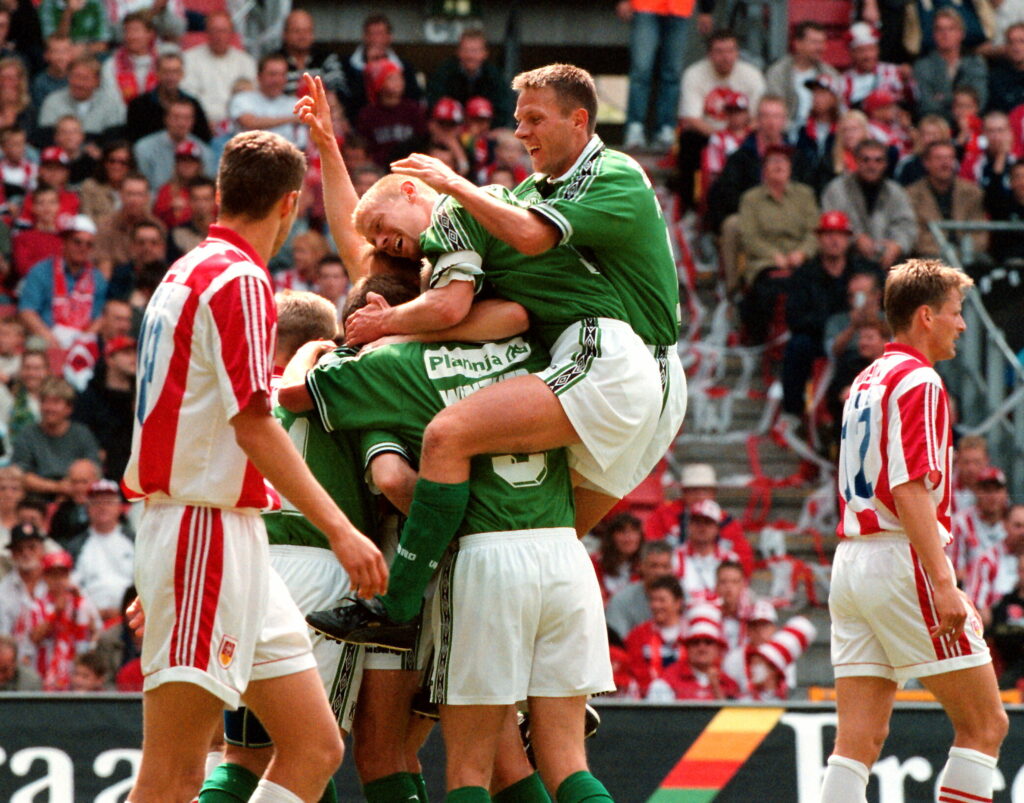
x=976 y=626
x=226 y=653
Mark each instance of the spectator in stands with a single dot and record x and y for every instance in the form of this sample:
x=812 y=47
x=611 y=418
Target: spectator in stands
x=724 y=143
x=794 y=76
x=696 y=561
x=768 y=663
x=12 y=491
x=629 y=607
x=707 y=85
x=90 y=673
x=443 y=127
x=884 y=123
x=85 y=23
x=12 y=346
x=101 y=193
x=816 y=137
x=967 y=125
x=945 y=68
x=732 y=595
x=114 y=238
x=658 y=36
x=700 y=677
x=60 y=625
x=54 y=171
x=878 y=209
x=867 y=73
x=863 y=306
x=930 y=128
x=268 y=106
x=166 y=16
x=69 y=136
x=15 y=675
x=469 y=74
x=979 y=528
x=118 y=643
x=817 y=291
x=1006 y=76
x=61 y=296
x=20 y=588
x=1007 y=207
x=147 y=113
x=202 y=209
x=994 y=573
x=375 y=46
x=969 y=461
x=106 y=405
x=86 y=357
x=15 y=101
x=617 y=562
x=100 y=108
x=17 y=171
x=155 y=153
x=58 y=56
x=46 y=450
x=989 y=168
x=212 y=68
x=20 y=405
x=71 y=517
x=131 y=68
x=1007 y=630
x=942 y=195
x=777 y=235
x=42 y=239
x=656 y=644
x=308 y=248
x=304 y=55
x=853 y=129
x=171 y=204
x=104 y=554
x=390 y=123
x=869 y=339
x=756 y=623
x=332 y=281
x=148 y=245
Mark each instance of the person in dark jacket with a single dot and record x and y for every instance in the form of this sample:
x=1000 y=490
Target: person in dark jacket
x=469 y=74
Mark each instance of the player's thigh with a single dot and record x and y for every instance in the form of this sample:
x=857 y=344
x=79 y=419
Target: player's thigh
x=863 y=705
x=293 y=709
x=971 y=699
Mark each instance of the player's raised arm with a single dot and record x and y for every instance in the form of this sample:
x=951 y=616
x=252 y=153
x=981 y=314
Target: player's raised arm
x=340 y=196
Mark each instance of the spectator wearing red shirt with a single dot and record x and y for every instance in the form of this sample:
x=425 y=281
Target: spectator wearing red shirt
x=657 y=644
x=699 y=676
x=618 y=562
x=54 y=172
x=42 y=239
x=391 y=124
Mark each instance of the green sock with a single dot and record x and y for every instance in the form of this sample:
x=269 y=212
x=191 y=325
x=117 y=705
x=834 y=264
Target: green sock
x=528 y=790
x=390 y=788
x=330 y=794
x=228 y=783
x=468 y=794
x=421 y=786
x=434 y=518
x=581 y=786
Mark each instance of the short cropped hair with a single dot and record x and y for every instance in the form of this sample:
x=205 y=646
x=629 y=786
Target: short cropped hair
x=669 y=583
x=302 y=317
x=393 y=288
x=915 y=283
x=385 y=190
x=574 y=87
x=54 y=387
x=257 y=170
x=655 y=548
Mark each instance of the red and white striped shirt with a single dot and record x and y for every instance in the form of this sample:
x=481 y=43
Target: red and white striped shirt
x=206 y=349
x=896 y=429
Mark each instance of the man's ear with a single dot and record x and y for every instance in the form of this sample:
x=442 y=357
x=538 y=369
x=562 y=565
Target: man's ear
x=288 y=203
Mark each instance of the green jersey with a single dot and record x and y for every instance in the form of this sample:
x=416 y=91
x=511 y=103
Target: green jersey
x=401 y=387
x=557 y=288
x=605 y=207
x=335 y=458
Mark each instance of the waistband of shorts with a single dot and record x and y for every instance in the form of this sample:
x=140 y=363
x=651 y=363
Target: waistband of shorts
x=303 y=551
x=168 y=502
x=539 y=534
x=888 y=535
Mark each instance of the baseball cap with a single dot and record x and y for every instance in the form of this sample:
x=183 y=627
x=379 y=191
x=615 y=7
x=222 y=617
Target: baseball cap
x=54 y=155
x=448 y=110
x=104 y=486
x=736 y=102
x=704 y=620
x=479 y=106
x=763 y=611
x=377 y=73
x=20 y=533
x=878 y=99
x=57 y=560
x=187 y=149
x=708 y=509
x=862 y=33
x=992 y=475
x=699 y=475
x=821 y=82
x=834 y=220
x=73 y=223
x=116 y=344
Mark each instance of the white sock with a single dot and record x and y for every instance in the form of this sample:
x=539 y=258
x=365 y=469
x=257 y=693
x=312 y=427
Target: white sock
x=845 y=781
x=967 y=777
x=270 y=792
x=213 y=760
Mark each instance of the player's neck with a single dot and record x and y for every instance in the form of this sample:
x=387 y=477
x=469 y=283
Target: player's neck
x=918 y=342
x=260 y=234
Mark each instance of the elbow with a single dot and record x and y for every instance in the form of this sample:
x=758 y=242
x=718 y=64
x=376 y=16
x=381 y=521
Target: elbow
x=518 y=319
x=294 y=398
x=452 y=311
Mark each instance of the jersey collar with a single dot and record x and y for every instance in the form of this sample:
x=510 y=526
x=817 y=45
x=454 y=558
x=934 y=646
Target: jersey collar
x=903 y=348
x=234 y=238
x=593 y=146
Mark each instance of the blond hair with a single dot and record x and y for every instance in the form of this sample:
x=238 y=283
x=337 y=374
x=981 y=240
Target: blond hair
x=302 y=317
x=385 y=191
x=916 y=283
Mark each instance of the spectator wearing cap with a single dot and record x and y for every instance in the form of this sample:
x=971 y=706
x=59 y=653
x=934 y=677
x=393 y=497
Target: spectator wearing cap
x=60 y=625
x=669 y=522
x=707 y=85
x=629 y=607
x=85 y=358
x=100 y=108
x=777 y=233
x=157 y=153
x=171 y=204
x=20 y=588
x=104 y=554
x=696 y=561
x=980 y=527
x=41 y=238
x=879 y=209
x=722 y=144
x=147 y=113
x=476 y=139
x=768 y=664
x=757 y=625
x=883 y=115
x=54 y=172
x=390 y=123
x=268 y=106
x=63 y=295
x=114 y=238
x=791 y=74
x=656 y=644
x=15 y=675
x=942 y=195
x=699 y=676
x=71 y=516
x=131 y=68
x=1006 y=75
x=376 y=45
x=107 y=404
x=817 y=291
x=212 y=68
x=305 y=55
x=46 y=450
x=445 y=126
x=468 y=74
x=868 y=73
x=946 y=67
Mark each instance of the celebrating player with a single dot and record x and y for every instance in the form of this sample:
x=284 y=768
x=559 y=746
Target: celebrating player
x=896 y=611
x=221 y=627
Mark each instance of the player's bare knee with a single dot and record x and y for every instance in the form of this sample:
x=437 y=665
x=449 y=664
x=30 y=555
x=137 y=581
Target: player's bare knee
x=984 y=732
x=446 y=434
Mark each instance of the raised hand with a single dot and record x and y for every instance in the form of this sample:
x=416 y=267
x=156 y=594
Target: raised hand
x=314 y=111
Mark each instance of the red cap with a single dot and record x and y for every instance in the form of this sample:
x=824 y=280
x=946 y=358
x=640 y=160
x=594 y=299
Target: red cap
x=479 y=107
x=119 y=343
x=54 y=154
x=448 y=110
x=187 y=149
x=736 y=102
x=57 y=560
x=992 y=474
x=878 y=99
x=834 y=220
x=376 y=74
x=708 y=509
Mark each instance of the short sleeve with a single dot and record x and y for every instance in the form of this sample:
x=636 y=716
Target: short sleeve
x=335 y=392
x=375 y=443
x=918 y=419
x=244 y=322
x=455 y=245
x=595 y=213
x=33 y=290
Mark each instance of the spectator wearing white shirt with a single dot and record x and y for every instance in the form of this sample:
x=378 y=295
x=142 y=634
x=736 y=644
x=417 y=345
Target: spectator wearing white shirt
x=211 y=69
x=104 y=554
x=268 y=107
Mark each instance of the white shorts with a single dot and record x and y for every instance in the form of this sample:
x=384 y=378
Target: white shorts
x=881 y=607
x=673 y=410
x=608 y=383
x=518 y=615
x=217 y=614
